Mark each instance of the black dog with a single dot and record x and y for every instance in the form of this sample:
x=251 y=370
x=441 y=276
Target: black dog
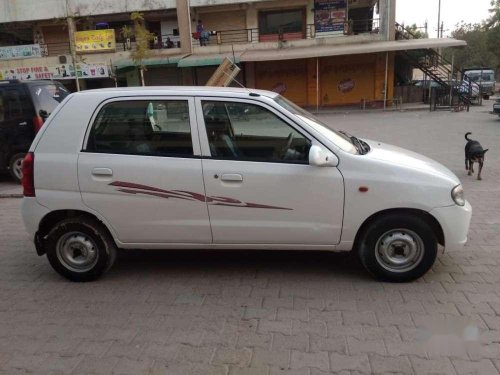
x=474 y=153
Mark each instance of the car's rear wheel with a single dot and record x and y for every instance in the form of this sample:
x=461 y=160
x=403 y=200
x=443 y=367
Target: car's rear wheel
x=80 y=249
x=16 y=166
x=398 y=248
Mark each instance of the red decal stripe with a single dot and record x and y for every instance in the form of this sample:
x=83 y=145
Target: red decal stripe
x=132 y=188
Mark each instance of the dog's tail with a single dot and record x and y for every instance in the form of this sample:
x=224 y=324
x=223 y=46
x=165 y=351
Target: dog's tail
x=467 y=135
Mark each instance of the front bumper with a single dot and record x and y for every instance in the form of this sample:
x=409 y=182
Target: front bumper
x=455 y=221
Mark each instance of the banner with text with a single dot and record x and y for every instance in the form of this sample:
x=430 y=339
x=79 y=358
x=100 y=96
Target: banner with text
x=329 y=15
x=20 y=52
x=92 y=41
x=62 y=71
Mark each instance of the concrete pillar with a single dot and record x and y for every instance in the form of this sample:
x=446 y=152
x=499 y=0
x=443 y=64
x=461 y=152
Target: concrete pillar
x=387 y=14
x=184 y=23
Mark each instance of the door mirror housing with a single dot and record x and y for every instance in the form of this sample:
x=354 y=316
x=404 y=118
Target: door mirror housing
x=43 y=114
x=320 y=157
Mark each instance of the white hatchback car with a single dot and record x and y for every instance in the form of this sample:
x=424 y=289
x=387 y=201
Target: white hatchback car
x=224 y=168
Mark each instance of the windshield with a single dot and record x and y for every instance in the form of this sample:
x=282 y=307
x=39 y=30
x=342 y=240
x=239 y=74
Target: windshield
x=341 y=140
x=488 y=76
x=48 y=95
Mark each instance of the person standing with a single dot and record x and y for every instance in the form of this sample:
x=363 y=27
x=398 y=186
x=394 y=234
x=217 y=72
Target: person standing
x=202 y=34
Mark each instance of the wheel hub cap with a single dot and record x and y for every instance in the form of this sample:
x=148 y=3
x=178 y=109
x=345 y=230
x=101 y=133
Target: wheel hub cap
x=399 y=250
x=77 y=251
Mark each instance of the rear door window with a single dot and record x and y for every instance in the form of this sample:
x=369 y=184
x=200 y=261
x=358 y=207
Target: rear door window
x=143 y=127
x=48 y=96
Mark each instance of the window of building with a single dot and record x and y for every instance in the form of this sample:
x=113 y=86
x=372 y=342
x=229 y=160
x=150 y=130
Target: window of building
x=157 y=128
x=242 y=131
x=290 y=21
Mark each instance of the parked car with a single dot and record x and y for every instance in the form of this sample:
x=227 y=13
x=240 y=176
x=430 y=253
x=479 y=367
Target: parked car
x=485 y=78
x=24 y=105
x=496 y=107
x=227 y=168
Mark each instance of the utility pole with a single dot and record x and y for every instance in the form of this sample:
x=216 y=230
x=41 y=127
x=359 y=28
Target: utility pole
x=439 y=18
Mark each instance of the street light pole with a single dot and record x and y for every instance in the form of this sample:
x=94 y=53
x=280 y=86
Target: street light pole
x=439 y=18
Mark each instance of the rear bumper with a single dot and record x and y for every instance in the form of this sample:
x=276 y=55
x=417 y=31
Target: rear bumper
x=32 y=213
x=455 y=222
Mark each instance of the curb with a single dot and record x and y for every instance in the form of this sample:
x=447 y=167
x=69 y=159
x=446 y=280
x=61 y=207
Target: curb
x=10 y=195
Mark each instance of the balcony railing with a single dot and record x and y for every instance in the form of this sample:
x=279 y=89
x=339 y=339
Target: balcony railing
x=242 y=36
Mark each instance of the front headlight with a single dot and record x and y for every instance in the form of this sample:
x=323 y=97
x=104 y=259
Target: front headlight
x=457 y=194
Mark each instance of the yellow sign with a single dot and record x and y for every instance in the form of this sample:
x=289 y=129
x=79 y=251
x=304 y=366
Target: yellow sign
x=95 y=41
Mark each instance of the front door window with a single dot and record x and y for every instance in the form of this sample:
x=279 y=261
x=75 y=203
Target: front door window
x=242 y=131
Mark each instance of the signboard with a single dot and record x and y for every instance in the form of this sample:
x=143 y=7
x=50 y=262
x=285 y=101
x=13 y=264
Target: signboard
x=224 y=75
x=93 y=41
x=61 y=71
x=329 y=15
x=20 y=52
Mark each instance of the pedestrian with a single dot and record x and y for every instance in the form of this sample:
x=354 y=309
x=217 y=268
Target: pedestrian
x=169 y=43
x=202 y=34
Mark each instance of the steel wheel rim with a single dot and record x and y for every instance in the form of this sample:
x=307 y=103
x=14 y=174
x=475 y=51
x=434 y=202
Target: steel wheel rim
x=77 y=251
x=17 y=168
x=399 y=250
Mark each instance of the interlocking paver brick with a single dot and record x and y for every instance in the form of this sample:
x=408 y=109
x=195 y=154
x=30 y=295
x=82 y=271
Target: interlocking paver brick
x=483 y=367
x=318 y=360
x=423 y=366
x=342 y=362
x=271 y=357
x=385 y=365
x=285 y=342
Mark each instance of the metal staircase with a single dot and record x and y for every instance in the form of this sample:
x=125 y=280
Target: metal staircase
x=455 y=90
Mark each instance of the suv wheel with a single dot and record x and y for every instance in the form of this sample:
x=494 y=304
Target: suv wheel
x=398 y=248
x=16 y=166
x=80 y=249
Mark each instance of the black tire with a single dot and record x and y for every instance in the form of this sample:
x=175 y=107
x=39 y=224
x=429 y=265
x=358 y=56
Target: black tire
x=486 y=97
x=89 y=240
x=402 y=236
x=15 y=163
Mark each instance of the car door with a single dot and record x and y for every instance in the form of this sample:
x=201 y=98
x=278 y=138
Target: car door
x=16 y=121
x=259 y=184
x=140 y=169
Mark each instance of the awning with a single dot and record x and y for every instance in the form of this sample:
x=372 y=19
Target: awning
x=128 y=64
x=349 y=49
x=208 y=59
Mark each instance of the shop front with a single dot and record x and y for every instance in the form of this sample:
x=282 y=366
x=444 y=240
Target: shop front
x=343 y=80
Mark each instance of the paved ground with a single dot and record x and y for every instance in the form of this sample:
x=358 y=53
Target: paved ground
x=269 y=313
x=9 y=188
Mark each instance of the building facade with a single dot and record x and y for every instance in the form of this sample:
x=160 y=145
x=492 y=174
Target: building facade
x=315 y=52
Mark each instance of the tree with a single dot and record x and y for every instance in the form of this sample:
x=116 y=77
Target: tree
x=142 y=39
x=417 y=32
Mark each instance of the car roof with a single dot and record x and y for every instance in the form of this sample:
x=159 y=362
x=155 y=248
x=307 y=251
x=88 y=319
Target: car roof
x=179 y=90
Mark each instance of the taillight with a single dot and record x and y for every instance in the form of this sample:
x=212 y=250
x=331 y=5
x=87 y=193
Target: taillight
x=29 y=175
x=37 y=123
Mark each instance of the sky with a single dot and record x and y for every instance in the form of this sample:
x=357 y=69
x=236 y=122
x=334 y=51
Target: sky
x=452 y=12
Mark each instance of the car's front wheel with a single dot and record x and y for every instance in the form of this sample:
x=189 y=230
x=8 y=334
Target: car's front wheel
x=80 y=249
x=398 y=248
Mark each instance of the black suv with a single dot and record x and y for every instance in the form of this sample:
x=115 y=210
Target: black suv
x=24 y=106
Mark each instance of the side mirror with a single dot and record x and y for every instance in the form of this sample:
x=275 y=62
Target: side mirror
x=43 y=114
x=320 y=157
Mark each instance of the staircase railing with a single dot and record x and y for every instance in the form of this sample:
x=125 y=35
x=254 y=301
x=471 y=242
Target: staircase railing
x=439 y=69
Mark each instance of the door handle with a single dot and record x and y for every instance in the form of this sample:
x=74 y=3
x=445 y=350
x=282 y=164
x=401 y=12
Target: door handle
x=232 y=177
x=102 y=172
x=24 y=123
